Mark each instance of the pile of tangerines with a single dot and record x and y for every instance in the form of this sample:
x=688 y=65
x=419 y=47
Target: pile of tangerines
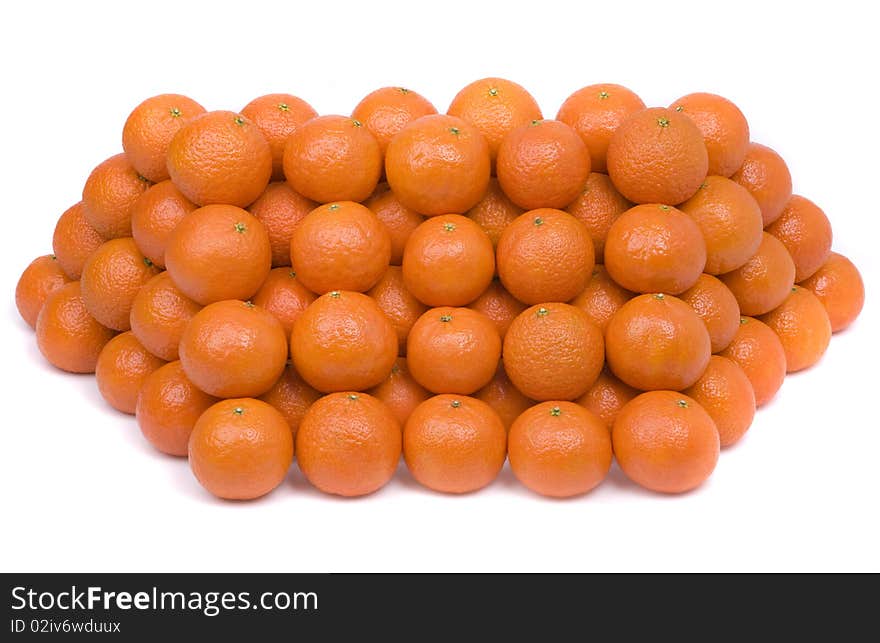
x=462 y=288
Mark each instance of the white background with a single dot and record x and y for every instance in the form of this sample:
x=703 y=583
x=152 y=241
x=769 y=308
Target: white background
x=81 y=490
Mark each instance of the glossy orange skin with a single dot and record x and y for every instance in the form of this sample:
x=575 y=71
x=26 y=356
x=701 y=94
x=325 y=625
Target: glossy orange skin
x=606 y=397
x=219 y=252
x=149 y=129
x=655 y=248
x=111 y=278
x=448 y=261
x=805 y=232
x=657 y=156
x=453 y=350
x=601 y=298
x=597 y=207
x=220 y=157
x=494 y=212
x=398 y=219
x=277 y=116
x=454 y=444
x=730 y=221
x=765 y=175
x=764 y=281
x=559 y=449
x=233 y=349
x=41 y=278
x=279 y=208
x=284 y=297
x=803 y=328
x=553 y=352
x=438 y=164
x=400 y=392
x=108 y=195
x=726 y=394
x=545 y=255
x=292 y=397
x=154 y=215
x=159 y=315
x=67 y=334
x=340 y=246
x=839 y=286
x=657 y=342
x=665 y=442
x=73 y=240
x=717 y=307
x=496 y=107
x=398 y=304
x=386 y=111
x=348 y=444
x=543 y=164
x=725 y=130
x=759 y=353
x=168 y=407
x=240 y=449
x=504 y=398
x=499 y=306
x=332 y=158
x=595 y=112
x=123 y=366
x=356 y=360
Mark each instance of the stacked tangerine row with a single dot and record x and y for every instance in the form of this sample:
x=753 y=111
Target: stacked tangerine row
x=461 y=288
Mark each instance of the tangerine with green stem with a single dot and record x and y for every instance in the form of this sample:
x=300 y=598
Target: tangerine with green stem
x=454 y=444
x=559 y=449
x=453 y=350
x=240 y=449
x=553 y=351
x=348 y=444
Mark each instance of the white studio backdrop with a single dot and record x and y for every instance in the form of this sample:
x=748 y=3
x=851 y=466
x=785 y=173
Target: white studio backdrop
x=82 y=491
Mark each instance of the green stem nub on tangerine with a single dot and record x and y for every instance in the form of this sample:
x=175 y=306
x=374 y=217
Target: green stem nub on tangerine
x=663 y=121
x=335 y=294
x=455 y=131
x=449 y=227
x=175 y=112
x=603 y=95
x=679 y=108
x=238 y=410
x=665 y=208
x=455 y=404
x=743 y=320
x=353 y=396
x=284 y=107
x=333 y=207
x=250 y=304
x=403 y=90
x=535 y=122
x=543 y=312
x=683 y=404
x=556 y=411
x=147 y=262
x=446 y=318
x=291 y=274
x=240 y=228
x=538 y=221
x=239 y=120
x=493 y=91
x=659 y=296
x=356 y=122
